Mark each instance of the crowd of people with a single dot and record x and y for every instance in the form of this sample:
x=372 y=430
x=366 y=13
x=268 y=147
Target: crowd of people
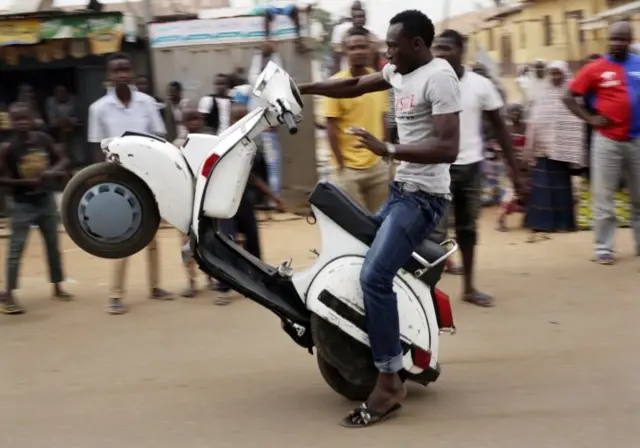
x=37 y=157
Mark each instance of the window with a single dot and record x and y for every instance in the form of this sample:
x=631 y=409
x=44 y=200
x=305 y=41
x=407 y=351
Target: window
x=546 y=31
x=577 y=16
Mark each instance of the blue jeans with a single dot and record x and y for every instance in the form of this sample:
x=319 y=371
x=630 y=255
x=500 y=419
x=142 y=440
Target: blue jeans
x=406 y=220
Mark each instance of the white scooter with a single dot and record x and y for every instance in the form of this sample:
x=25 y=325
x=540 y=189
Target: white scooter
x=113 y=210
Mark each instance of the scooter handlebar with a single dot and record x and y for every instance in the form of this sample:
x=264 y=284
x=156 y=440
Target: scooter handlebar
x=290 y=122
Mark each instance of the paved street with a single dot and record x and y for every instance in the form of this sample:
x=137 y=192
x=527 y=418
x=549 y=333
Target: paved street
x=555 y=364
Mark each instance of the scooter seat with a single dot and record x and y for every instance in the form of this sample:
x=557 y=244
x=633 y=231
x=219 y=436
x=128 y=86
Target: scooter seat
x=357 y=221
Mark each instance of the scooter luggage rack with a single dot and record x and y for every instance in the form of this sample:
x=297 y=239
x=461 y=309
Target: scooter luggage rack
x=426 y=265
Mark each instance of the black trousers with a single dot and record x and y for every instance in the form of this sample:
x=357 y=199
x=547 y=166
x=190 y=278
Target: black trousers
x=466 y=188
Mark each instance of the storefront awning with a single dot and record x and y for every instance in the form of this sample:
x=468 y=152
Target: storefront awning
x=602 y=20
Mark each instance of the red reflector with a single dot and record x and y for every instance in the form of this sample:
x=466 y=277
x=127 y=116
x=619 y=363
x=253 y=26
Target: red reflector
x=208 y=164
x=444 y=310
x=421 y=358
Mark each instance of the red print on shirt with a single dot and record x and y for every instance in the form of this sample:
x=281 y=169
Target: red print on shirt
x=405 y=103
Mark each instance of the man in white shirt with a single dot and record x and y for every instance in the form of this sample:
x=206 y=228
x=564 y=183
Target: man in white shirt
x=216 y=107
x=123 y=109
x=357 y=19
x=479 y=97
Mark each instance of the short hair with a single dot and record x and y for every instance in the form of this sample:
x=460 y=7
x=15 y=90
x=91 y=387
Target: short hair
x=176 y=85
x=415 y=24
x=357 y=31
x=458 y=39
x=118 y=57
x=594 y=56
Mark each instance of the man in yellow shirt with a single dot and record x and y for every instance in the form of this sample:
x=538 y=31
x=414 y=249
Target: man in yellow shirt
x=359 y=172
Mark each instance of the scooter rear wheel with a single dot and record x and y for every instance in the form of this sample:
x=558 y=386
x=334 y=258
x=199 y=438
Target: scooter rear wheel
x=337 y=382
x=109 y=212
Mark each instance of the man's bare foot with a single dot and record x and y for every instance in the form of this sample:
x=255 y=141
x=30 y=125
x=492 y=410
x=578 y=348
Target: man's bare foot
x=384 y=400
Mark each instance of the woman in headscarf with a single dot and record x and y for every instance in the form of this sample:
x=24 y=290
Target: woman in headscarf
x=555 y=144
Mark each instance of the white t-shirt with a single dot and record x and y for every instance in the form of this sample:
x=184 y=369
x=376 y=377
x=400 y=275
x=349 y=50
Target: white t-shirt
x=224 y=110
x=339 y=32
x=433 y=89
x=478 y=94
x=108 y=117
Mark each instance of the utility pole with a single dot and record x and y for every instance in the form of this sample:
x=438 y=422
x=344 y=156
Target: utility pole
x=446 y=12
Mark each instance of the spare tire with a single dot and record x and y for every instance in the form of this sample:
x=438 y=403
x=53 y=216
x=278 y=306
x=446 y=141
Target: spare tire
x=109 y=212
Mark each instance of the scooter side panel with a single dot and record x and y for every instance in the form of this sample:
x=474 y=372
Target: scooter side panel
x=161 y=166
x=337 y=270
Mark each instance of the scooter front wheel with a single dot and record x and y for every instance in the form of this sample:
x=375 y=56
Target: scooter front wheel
x=109 y=212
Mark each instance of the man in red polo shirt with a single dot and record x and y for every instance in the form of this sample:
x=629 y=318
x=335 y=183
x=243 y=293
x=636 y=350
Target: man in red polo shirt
x=614 y=82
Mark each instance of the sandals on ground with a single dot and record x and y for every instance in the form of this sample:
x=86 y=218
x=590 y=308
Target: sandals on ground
x=363 y=417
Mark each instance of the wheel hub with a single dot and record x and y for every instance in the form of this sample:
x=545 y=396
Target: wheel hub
x=110 y=213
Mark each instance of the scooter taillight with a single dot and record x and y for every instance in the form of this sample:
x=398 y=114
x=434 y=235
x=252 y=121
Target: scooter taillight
x=421 y=358
x=208 y=164
x=444 y=310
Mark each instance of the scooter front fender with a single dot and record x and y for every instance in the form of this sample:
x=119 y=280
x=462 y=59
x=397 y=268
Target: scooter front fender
x=161 y=166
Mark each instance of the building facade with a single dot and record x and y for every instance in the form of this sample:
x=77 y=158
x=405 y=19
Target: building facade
x=566 y=30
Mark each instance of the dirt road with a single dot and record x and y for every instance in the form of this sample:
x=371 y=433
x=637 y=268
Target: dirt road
x=555 y=364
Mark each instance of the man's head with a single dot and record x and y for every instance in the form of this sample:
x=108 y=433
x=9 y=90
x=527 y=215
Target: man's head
x=620 y=37
x=120 y=70
x=409 y=39
x=61 y=94
x=449 y=45
x=143 y=84
x=26 y=93
x=268 y=48
x=358 y=17
x=539 y=67
x=192 y=119
x=174 y=91
x=21 y=117
x=221 y=85
x=357 y=47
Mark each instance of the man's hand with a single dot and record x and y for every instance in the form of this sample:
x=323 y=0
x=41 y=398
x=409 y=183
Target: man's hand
x=281 y=206
x=368 y=141
x=598 y=121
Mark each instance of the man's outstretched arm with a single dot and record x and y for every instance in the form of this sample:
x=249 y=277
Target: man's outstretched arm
x=346 y=88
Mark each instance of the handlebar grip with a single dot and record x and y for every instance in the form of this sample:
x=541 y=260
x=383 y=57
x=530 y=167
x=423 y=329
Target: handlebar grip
x=290 y=121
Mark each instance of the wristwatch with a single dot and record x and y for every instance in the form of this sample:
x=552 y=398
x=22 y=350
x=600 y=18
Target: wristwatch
x=391 y=152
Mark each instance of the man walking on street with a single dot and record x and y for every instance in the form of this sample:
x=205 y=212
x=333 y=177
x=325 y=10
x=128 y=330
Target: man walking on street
x=428 y=106
x=30 y=163
x=480 y=99
x=361 y=173
x=122 y=109
x=614 y=83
